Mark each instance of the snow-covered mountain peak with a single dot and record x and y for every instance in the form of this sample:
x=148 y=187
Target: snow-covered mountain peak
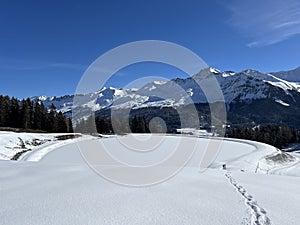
x=228 y=73
x=159 y=82
x=246 y=85
x=134 y=89
x=42 y=98
x=250 y=71
x=214 y=70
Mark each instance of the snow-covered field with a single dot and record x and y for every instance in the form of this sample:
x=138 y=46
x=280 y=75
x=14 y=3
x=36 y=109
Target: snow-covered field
x=52 y=184
x=12 y=144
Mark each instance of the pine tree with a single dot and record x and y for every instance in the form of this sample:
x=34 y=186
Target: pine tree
x=14 y=113
x=37 y=116
x=51 y=124
x=25 y=115
x=70 y=126
x=44 y=116
x=102 y=125
x=134 y=124
x=142 y=125
x=139 y=125
x=4 y=110
x=30 y=106
x=62 y=126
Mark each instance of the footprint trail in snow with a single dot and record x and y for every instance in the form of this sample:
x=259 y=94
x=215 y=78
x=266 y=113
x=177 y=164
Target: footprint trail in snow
x=258 y=214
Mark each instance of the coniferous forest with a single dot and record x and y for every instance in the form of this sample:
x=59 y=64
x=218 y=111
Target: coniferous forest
x=30 y=115
x=103 y=125
x=278 y=136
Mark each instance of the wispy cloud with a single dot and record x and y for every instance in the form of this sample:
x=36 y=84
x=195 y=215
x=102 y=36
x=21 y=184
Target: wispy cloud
x=15 y=64
x=266 y=22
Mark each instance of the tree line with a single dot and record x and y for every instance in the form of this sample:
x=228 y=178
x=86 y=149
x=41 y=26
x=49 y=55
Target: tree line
x=32 y=115
x=102 y=125
x=278 y=136
x=92 y=125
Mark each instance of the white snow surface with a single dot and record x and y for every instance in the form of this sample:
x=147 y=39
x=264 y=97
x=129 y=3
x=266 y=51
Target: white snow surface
x=37 y=144
x=11 y=143
x=60 y=188
x=282 y=102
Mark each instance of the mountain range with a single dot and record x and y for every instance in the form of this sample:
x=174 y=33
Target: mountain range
x=252 y=97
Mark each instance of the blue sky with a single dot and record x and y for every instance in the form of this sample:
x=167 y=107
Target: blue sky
x=46 y=46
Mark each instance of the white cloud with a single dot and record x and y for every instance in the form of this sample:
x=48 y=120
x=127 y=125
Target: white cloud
x=266 y=22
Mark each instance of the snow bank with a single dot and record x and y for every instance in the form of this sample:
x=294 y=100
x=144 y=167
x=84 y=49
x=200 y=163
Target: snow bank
x=12 y=143
x=35 y=144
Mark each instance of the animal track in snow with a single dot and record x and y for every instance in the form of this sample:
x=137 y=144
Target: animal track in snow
x=258 y=216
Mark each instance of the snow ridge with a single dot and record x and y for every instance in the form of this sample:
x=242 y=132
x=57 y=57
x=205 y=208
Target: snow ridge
x=257 y=213
x=247 y=85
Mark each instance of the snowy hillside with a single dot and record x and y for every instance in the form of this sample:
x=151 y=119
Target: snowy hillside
x=242 y=86
x=14 y=146
x=291 y=75
x=60 y=188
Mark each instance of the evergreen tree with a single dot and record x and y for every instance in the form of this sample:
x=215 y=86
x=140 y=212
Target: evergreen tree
x=51 y=125
x=103 y=125
x=70 y=126
x=62 y=126
x=4 y=110
x=44 y=116
x=139 y=125
x=14 y=113
x=31 y=112
x=37 y=116
x=25 y=114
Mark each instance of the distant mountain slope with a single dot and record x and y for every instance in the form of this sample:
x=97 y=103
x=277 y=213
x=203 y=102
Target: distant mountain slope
x=242 y=86
x=244 y=93
x=291 y=75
